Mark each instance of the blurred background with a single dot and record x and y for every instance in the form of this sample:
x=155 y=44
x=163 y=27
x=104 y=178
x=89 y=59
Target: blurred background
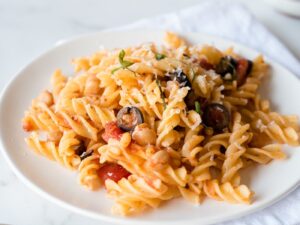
x=28 y=28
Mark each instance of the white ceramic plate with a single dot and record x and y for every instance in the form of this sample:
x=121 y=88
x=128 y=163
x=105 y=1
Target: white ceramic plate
x=59 y=185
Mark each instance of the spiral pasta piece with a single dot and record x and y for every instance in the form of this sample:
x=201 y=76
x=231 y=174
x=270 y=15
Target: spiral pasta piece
x=97 y=115
x=226 y=192
x=51 y=151
x=191 y=146
x=236 y=149
x=110 y=92
x=265 y=154
x=134 y=194
x=81 y=126
x=171 y=116
x=88 y=172
x=67 y=93
x=58 y=82
x=67 y=143
x=282 y=129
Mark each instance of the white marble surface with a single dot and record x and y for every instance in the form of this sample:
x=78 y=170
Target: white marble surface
x=27 y=28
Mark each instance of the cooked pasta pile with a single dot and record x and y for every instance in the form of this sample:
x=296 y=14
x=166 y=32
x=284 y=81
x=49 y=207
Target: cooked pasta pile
x=152 y=123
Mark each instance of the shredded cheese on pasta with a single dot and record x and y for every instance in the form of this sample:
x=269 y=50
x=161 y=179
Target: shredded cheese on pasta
x=174 y=153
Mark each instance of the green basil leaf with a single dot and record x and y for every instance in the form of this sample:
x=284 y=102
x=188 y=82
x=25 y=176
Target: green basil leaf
x=159 y=56
x=193 y=75
x=198 y=107
x=115 y=69
x=126 y=64
x=121 y=56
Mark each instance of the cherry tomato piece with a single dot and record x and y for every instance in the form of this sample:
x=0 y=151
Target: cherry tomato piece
x=243 y=68
x=113 y=172
x=112 y=131
x=206 y=65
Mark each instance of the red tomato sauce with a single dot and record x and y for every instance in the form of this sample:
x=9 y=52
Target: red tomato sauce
x=112 y=131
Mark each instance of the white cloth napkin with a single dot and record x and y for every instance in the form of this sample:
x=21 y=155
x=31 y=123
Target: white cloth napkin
x=234 y=21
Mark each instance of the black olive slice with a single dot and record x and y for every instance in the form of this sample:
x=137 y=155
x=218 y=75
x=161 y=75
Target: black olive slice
x=129 y=117
x=226 y=65
x=80 y=149
x=190 y=100
x=216 y=116
x=86 y=154
x=250 y=65
x=179 y=128
x=180 y=77
x=223 y=149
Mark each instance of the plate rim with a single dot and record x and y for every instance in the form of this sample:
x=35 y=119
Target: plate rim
x=111 y=218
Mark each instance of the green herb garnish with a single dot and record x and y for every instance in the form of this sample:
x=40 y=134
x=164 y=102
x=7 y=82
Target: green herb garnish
x=162 y=95
x=198 y=107
x=159 y=56
x=124 y=64
x=194 y=75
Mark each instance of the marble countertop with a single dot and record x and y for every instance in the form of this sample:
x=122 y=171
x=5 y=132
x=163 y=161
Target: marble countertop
x=28 y=28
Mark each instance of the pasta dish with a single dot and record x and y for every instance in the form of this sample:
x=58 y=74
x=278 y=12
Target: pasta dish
x=151 y=123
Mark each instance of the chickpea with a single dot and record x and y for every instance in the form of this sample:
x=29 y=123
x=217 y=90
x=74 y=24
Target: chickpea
x=92 y=86
x=159 y=160
x=46 y=97
x=144 y=135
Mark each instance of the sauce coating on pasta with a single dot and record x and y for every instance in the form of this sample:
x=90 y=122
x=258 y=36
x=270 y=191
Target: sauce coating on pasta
x=152 y=123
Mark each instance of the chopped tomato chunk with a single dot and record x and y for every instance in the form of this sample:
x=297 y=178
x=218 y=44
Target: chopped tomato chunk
x=243 y=68
x=113 y=172
x=206 y=65
x=112 y=131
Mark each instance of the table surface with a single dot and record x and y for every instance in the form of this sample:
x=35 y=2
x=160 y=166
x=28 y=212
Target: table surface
x=28 y=28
